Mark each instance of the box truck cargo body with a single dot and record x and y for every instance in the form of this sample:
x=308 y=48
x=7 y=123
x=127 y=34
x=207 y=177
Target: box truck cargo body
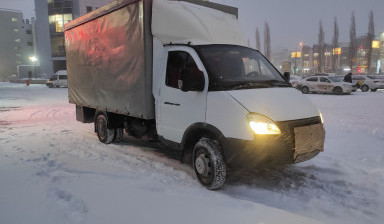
x=181 y=73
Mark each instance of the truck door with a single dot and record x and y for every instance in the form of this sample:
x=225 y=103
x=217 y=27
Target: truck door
x=179 y=109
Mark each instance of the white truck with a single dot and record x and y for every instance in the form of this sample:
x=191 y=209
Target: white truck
x=181 y=73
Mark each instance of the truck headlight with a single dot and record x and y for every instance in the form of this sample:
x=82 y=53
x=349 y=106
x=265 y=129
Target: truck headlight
x=262 y=125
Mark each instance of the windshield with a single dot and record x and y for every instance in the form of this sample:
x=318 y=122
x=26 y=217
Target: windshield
x=336 y=79
x=236 y=67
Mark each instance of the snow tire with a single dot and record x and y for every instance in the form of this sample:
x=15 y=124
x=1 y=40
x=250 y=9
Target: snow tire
x=208 y=163
x=105 y=134
x=119 y=134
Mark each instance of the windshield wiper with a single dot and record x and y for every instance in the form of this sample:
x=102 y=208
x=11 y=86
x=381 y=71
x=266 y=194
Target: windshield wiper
x=276 y=83
x=247 y=85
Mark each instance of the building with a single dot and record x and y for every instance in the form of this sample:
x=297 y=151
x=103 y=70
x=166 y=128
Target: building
x=51 y=17
x=336 y=60
x=16 y=42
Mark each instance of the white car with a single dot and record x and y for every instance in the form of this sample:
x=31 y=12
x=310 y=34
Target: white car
x=58 y=79
x=369 y=82
x=325 y=84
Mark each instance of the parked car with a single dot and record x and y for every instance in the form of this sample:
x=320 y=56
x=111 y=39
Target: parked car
x=369 y=82
x=325 y=84
x=294 y=80
x=58 y=79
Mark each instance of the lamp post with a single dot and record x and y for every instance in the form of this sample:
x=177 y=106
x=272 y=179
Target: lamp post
x=34 y=60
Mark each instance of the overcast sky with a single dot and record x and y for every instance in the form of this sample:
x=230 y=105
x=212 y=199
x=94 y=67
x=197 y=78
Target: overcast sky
x=290 y=21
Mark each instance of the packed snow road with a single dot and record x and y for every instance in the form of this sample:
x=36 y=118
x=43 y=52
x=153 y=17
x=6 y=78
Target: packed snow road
x=53 y=169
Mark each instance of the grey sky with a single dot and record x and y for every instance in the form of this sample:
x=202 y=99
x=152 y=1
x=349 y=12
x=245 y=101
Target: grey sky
x=290 y=21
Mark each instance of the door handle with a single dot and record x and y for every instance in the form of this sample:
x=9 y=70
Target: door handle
x=172 y=104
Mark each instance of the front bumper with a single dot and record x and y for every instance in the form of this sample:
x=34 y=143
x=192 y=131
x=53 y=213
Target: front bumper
x=300 y=140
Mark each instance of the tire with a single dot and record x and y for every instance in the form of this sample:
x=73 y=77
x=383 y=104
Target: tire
x=338 y=91
x=119 y=134
x=208 y=163
x=305 y=90
x=364 y=88
x=105 y=134
x=373 y=90
x=50 y=85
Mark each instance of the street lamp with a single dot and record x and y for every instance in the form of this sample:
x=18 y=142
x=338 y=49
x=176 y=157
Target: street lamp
x=34 y=60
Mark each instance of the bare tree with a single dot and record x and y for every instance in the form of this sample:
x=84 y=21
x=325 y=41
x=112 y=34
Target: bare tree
x=335 y=43
x=370 y=37
x=258 y=44
x=321 y=47
x=352 y=42
x=267 y=41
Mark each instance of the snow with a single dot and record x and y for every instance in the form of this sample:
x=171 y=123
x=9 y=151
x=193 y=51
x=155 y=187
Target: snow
x=53 y=169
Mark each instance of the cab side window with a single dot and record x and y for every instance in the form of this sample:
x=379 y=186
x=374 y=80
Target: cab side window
x=313 y=79
x=177 y=62
x=322 y=79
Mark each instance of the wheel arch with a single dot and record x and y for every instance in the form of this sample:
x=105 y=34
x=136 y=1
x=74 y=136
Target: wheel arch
x=113 y=120
x=197 y=131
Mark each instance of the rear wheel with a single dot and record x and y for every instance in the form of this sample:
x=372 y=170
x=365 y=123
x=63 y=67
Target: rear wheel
x=209 y=164
x=119 y=133
x=364 y=88
x=106 y=135
x=338 y=91
x=305 y=90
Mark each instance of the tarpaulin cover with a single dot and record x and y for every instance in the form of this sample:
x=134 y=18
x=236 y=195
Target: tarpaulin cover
x=106 y=62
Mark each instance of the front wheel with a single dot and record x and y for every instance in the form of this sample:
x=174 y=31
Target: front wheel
x=208 y=163
x=106 y=135
x=338 y=91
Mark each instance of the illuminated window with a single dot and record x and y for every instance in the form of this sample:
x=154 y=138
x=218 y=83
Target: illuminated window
x=375 y=44
x=17 y=40
x=58 y=21
x=14 y=19
x=336 y=51
x=16 y=30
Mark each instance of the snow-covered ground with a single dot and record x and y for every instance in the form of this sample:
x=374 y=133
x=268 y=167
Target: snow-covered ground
x=53 y=169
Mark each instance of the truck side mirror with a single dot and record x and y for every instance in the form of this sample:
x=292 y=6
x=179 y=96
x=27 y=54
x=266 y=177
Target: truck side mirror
x=287 y=76
x=191 y=80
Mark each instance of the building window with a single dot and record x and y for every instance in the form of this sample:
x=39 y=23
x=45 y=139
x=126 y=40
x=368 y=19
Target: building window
x=28 y=31
x=17 y=40
x=89 y=9
x=14 y=19
x=58 y=21
x=16 y=30
x=30 y=44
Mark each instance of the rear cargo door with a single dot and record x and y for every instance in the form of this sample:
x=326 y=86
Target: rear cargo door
x=178 y=110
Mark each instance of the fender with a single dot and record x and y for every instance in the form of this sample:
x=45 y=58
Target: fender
x=197 y=131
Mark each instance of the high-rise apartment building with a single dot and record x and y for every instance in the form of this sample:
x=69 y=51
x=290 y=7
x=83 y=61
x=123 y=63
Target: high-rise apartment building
x=51 y=16
x=16 y=42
